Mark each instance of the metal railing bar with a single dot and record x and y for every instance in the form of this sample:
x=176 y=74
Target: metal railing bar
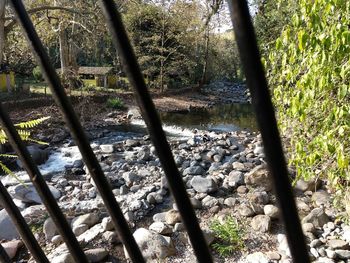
x=266 y=119
x=4 y=258
x=21 y=225
x=43 y=190
x=155 y=129
x=78 y=133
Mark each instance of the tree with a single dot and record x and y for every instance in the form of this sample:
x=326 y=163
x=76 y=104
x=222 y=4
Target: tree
x=308 y=69
x=2 y=29
x=270 y=19
x=212 y=7
x=61 y=20
x=159 y=35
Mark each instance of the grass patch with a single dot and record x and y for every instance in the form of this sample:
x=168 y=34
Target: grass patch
x=36 y=228
x=115 y=103
x=229 y=236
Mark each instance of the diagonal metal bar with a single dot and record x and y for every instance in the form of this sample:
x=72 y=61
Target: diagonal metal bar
x=78 y=133
x=43 y=190
x=155 y=129
x=266 y=119
x=21 y=225
x=4 y=258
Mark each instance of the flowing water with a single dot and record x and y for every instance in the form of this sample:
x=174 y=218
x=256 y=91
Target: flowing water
x=222 y=118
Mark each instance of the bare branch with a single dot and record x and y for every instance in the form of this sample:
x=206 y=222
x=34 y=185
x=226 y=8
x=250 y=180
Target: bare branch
x=13 y=21
x=81 y=25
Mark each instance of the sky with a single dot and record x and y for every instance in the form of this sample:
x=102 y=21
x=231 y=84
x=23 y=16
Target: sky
x=223 y=18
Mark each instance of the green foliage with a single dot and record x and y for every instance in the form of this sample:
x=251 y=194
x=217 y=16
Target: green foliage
x=308 y=68
x=24 y=133
x=38 y=76
x=229 y=236
x=271 y=17
x=23 y=130
x=115 y=103
x=32 y=123
x=223 y=57
x=161 y=39
x=36 y=228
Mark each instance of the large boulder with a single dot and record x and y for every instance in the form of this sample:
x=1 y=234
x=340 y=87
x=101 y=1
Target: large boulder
x=172 y=217
x=96 y=254
x=49 y=229
x=321 y=198
x=311 y=185
x=89 y=219
x=153 y=246
x=38 y=155
x=194 y=170
x=317 y=217
x=259 y=177
x=261 y=223
x=257 y=257
x=203 y=185
x=235 y=178
x=12 y=247
x=28 y=194
x=7 y=228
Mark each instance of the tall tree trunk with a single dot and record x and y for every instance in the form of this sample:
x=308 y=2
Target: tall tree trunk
x=73 y=50
x=162 y=50
x=2 y=41
x=64 y=51
x=206 y=60
x=2 y=29
x=64 y=55
x=162 y=75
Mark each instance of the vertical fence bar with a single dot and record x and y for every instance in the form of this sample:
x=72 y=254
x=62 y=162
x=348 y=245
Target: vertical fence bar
x=21 y=225
x=78 y=133
x=155 y=129
x=4 y=258
x=42 y=188
x=266 y=119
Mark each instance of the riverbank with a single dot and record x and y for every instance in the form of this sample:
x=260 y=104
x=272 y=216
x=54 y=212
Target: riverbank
x=95 y=115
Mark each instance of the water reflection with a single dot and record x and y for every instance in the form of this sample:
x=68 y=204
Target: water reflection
x=219 y=118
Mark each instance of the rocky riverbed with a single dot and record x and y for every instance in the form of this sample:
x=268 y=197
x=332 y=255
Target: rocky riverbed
x=224 y=173
x=225 y=176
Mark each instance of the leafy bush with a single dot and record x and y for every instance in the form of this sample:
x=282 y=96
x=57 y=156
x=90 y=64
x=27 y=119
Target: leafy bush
x=308 y=68
x=229 y=236
x=115 y=103
x=38 y=76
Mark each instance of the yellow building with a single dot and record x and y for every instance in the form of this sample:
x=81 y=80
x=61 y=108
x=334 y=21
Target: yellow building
x=7 y=80
x=97 y=76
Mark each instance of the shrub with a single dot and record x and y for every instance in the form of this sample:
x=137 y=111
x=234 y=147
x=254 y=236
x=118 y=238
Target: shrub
x=229 y=236
x=115 y=103
x=309 y=71
x=38 y=76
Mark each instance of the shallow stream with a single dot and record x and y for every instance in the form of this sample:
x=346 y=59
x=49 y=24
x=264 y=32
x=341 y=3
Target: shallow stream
x=222 y=118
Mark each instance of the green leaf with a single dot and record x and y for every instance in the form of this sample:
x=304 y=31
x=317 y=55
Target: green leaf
x=342 y=91
x=346 y=37
x=32 y=123
x=278 y=43
x=302 y=39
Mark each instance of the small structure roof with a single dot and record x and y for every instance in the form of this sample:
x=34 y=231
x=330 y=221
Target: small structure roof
x=93 y=70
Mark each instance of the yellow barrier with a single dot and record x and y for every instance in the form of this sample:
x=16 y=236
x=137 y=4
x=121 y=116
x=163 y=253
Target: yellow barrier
x=90 y=82
x=3 y=81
